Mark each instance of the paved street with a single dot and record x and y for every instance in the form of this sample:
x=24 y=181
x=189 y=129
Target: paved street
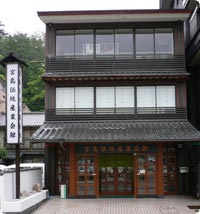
x=168 y=205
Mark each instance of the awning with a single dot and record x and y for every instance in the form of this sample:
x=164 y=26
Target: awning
x=116 y=131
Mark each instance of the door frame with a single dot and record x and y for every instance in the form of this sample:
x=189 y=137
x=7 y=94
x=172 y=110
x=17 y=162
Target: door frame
x=146 y=173
x=116 y=182
x=87 y=174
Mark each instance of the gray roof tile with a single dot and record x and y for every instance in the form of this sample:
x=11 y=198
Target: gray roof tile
x=114 y=73
x=116 y=131
x=30 y=119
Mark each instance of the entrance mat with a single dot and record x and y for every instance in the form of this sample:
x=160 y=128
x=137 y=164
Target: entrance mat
x=169 y=209
x=116 y=196
x=194 y=207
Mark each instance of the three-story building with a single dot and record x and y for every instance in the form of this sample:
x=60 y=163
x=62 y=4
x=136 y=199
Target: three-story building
x=116 y=108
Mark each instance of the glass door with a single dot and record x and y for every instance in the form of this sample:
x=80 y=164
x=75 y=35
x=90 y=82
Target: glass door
x=146 y=174
x=116 y=174
x=86 y=173
x=170 y=169
x=61 y=169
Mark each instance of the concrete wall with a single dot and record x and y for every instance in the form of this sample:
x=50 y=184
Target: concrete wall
x=28 y=178
x=26 y=204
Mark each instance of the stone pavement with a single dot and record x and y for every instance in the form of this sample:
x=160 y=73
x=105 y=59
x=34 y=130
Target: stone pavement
x=167 y=205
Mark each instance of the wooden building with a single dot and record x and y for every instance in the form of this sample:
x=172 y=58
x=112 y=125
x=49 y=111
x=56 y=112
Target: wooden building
x=116 y=108
x=29 y=153
x=192 y=50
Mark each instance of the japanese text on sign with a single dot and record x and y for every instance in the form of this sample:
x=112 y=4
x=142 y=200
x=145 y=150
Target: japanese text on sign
x=14 y=112
x=117 y=148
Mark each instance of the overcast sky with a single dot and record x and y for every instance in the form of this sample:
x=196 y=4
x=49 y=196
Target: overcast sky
x=21 y=15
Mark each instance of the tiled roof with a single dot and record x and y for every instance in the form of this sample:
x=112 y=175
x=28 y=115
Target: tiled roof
x=116 y=131
x=115 y=73
x=31 y=119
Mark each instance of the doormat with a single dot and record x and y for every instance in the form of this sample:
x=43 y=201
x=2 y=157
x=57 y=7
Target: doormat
x=194 y=207
x=169 y=209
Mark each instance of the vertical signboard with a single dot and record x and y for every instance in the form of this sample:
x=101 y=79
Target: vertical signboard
x=14 y=103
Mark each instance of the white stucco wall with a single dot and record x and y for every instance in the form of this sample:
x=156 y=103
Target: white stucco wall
x=28 y=178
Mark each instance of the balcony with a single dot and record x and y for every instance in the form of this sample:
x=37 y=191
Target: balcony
x=88 y=65
x=115 y=113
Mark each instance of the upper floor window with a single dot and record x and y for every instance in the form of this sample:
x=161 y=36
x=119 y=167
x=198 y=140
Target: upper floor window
x=123 y=42
x=164 y=41
x=65 y=43
x=104 y=42
x=154 y=42
x=146 y=43
x=115 y=97
x=156 y=96
x=74 y=97
x=84 y=40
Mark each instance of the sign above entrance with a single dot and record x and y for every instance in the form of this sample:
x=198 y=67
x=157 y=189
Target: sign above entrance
x=116 y=148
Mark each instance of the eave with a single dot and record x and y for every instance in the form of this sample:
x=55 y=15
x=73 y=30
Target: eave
x=104 y=16
x=183 y=76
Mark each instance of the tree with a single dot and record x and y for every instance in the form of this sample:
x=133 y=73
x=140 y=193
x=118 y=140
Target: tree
x=31 y=50
x=2 y=32
x=3 y=153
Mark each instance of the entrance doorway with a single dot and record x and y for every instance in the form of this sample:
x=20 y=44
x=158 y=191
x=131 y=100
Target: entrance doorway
x=145 y=165
x=116 y=174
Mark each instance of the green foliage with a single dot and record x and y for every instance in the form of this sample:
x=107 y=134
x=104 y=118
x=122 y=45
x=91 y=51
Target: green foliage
x=31 y=50
x=2 y=77
x=3 y=153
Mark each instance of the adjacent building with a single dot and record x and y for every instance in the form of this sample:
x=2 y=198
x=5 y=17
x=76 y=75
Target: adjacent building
x=116 y=103
x=29 y=153
x=192 y=49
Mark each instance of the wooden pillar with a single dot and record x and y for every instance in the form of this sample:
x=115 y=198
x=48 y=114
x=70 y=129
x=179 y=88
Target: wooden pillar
x=72 y=171
x=160 y=177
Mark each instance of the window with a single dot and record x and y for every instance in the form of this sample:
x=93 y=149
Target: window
x=156 y=96
x=84 y=42
x=74 y=98
x=115 y=98
x=163 y=41
x=105 y=97
x=146 y=96
x=64 y=97
x=124 y=96
x=144 y=43
x=165 y=96
x=123 y=41
x=105 y=42
x=84 y=97
x=65 y=43
x=149 y=43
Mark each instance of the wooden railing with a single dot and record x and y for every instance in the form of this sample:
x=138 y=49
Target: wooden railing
x=118 y=64
x=115 y=113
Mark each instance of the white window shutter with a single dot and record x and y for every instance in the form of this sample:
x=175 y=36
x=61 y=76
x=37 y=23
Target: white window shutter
x=165 y=96
x=146 y=96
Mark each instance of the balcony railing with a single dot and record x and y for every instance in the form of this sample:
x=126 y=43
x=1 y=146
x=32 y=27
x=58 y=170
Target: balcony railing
x=58 y=64
x=115 y=113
